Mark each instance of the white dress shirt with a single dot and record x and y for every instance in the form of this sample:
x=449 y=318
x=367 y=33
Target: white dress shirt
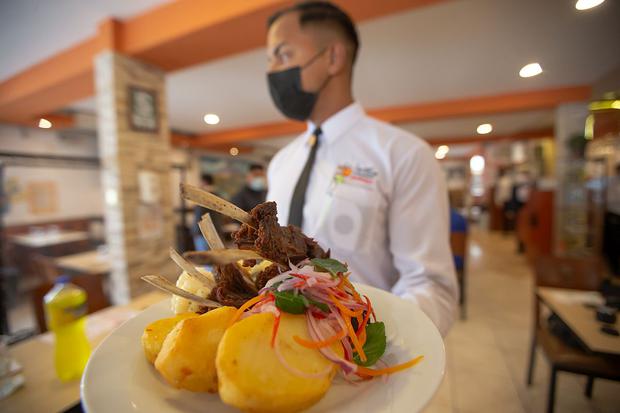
x=377 y=198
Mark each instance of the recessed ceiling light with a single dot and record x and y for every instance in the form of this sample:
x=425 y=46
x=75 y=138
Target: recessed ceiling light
x=44 y=123
x=234 y=151
x=441 y=152
x=476 y=164
x=211 y=119
x=530 y=70
x=587 y=4
x=484 y=128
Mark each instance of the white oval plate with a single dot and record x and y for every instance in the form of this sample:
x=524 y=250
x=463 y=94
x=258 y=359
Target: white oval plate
x=119 y=379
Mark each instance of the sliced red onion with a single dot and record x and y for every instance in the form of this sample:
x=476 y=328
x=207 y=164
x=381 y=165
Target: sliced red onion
x=346 y=366
x=277 y=278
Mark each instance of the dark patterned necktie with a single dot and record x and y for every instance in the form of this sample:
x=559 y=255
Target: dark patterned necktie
x=296 y=211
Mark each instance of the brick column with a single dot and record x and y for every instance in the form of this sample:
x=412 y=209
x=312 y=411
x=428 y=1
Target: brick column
x=135 y=172
x=570 y=225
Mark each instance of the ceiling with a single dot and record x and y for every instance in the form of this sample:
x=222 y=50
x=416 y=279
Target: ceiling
x=32 y=30
x=455 y=49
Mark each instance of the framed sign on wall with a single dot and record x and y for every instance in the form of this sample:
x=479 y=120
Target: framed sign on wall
x=143 y=113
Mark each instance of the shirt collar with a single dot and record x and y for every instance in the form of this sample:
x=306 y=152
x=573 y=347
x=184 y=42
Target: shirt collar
x=340 y=122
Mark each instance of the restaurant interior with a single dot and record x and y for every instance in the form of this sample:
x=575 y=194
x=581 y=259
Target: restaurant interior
x=106 y=107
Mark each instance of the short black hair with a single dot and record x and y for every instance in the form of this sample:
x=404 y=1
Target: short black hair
x=207 y=179
x=325 y=13
x=256 y=167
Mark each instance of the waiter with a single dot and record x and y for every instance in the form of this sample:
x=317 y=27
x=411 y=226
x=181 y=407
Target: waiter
x=369 y=191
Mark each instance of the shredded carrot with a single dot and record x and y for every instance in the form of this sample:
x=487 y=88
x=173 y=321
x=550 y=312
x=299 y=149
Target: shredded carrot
x=343 y=309
x=276 y=327
x=353 y=292
x=362 y=337
x=322 y=343
x=346 y=314
x=244 y=307
x=361 y=332
x=362 y=325
x=354 y=340
x=363 y=371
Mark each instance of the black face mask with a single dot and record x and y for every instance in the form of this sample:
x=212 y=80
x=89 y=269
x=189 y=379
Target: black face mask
x=287 y=93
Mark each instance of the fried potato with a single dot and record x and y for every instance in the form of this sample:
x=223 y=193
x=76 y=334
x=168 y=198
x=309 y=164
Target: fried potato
x=187 y=357
x=252 y=378
x=156 y=332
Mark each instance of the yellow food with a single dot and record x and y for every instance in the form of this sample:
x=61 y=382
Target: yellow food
x=254 y=270
x=187 y=357
x=156 y=332
x=252 y=378
x=190 y=284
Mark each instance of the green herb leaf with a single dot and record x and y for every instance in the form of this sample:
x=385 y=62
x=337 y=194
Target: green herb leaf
x=321 y=306
x=289 y=302
x=329 y=265
x=374 y=346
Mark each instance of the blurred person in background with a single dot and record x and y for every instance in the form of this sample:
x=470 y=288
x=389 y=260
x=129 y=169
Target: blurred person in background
x=523 y=187
x=372 y=193
x=503 y=194
x=255 y=189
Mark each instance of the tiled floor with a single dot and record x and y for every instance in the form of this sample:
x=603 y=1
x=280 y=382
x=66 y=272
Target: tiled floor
x=487 y=353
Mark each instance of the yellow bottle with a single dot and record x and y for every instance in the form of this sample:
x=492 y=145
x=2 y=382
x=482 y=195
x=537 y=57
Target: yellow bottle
x=65 y=311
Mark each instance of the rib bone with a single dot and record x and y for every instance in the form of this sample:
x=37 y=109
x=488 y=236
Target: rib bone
x=190 y=269
x=215 y=203
x=210 y=233
x=165 y=285
x=222 y=257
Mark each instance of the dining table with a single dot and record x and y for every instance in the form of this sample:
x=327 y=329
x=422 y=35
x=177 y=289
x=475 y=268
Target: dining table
x=49 y=238
x=88 y=262
x=42 y=390
x=577 y=309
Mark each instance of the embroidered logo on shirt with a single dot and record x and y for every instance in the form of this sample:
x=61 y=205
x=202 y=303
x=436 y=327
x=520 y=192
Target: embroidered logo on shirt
x=357 y=175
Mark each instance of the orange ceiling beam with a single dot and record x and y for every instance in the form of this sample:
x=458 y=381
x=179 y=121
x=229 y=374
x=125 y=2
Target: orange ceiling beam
x=484 y=105
x=188 y=32
x=184 y=141
x=60 y=121
x=474 y=106
x=172 y=36
x=49 y=85
x=520 y=136
x=244 y=134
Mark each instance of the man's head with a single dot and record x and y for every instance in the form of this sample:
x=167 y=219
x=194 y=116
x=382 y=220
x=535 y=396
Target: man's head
x=255 y=178
x=321 y=40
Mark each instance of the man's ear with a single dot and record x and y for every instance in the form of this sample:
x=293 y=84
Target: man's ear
x=337 y=58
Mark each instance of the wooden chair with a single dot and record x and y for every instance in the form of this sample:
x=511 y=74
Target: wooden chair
x=458 y=242
x=571 y=273
x=46 y=269
x=91 y=283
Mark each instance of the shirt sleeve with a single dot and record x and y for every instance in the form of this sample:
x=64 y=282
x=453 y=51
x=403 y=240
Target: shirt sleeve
x=419 y=237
